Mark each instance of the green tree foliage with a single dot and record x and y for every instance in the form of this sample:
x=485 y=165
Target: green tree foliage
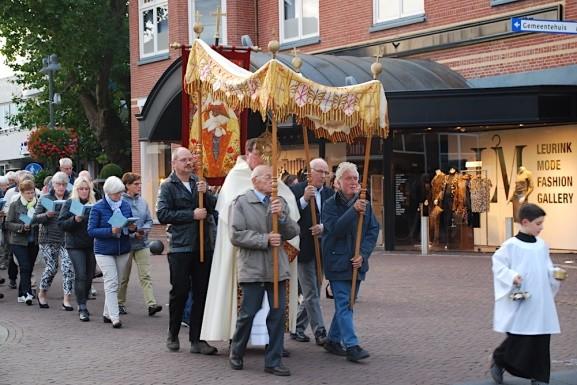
x=110 y=169
x=90 y=38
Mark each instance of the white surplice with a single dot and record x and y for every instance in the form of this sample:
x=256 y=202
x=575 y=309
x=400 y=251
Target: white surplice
x=219 y=320
x=537 y=314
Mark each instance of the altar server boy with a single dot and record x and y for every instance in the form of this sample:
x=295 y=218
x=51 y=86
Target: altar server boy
x=522 y=265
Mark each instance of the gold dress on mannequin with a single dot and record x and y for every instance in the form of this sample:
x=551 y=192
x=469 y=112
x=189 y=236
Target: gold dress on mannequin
x=523 y=188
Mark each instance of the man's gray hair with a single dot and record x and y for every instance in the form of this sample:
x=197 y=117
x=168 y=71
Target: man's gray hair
x=113 y=185
x=260 y=170
x=346 y=166
x=318 y=161
x=65 y=162
x=60 y=177
x=176 y=151
x=12 y=176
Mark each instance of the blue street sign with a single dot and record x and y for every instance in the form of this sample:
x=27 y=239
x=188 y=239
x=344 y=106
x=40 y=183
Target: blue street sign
x=544 y=26
x=34 y=168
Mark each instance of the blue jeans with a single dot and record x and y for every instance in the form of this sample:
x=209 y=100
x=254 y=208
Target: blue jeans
x=342 y=326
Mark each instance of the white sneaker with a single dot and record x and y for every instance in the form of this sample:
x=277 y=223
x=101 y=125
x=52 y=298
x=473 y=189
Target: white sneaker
x=21 y=299
x=28 y=299
x=93 y=291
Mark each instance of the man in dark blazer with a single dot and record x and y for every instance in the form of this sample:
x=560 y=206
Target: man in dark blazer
x=309 y=310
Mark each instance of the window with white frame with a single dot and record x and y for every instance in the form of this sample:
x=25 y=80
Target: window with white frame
x=153 y=15
x=206 y=8
x=6 y=112
x=299 y=19
x=387 y=10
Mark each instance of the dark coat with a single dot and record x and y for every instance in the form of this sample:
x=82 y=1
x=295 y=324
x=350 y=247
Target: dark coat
x=307 y=246
x=340 y=227
x=50 y=232
x=17 y=235
x=105 y=242
x=75 y=233
x=175 y=207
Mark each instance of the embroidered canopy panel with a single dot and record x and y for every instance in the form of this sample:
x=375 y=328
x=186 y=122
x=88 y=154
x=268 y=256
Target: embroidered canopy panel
x=335 y=113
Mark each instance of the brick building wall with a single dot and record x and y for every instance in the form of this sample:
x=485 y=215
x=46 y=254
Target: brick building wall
x=347 y=23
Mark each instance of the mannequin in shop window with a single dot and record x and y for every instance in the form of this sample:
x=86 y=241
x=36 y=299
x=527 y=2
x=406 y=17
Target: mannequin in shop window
x=449 y=190
x=435 y=212
x=523 y=188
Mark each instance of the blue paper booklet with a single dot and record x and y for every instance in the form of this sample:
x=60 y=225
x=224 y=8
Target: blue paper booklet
x=119 y=220
x=79 y=209
x=51 y=205
x=25 y=218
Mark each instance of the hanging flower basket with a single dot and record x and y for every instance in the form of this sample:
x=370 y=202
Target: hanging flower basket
x=48 y=145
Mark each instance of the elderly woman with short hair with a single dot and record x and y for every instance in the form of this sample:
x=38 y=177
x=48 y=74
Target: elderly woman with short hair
x=78 y=243
x=51 y=240
x=111 y=244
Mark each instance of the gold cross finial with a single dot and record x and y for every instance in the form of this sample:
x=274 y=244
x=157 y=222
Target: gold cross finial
x=296 y=51
x=273 y=45
x=297 y=61
x=198 y=27
x=197 y=16
x=377 y=67
x=218 y=15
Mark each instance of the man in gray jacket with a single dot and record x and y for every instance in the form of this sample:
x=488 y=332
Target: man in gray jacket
x=250 y=231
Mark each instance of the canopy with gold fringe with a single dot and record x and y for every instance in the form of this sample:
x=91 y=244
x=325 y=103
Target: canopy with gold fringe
x=339 y=114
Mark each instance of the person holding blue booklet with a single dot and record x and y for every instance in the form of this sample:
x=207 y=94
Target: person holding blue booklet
x=23 y=237
x=78 y=243
x=111 y=243
x=51 y=240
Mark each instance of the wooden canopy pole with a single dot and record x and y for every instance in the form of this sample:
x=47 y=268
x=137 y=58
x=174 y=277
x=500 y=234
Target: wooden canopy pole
x=376 y=69
x=358 y=238
x=274 y=216
x=198 y=28
x=313 y=206
x=297 y=64
x=273 y=47
x=200 y=172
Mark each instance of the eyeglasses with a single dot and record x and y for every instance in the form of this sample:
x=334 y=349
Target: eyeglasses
x=325 y=173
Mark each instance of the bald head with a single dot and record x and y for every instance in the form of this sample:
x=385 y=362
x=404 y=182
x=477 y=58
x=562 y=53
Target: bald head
x=261 y=178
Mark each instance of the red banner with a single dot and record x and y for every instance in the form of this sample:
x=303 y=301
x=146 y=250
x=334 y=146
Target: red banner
x=223 y=129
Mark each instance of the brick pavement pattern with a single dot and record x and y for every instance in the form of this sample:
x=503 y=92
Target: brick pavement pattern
x=424 y=319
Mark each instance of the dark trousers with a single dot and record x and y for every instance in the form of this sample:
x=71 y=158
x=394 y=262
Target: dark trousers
x=252 y=296
x=84 y=264
x=525 y=356
x=186 y=274
x=26 y=256
x=12 y=268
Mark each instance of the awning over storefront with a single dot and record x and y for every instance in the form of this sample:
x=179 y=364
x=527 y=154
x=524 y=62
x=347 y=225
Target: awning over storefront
x=422 y=95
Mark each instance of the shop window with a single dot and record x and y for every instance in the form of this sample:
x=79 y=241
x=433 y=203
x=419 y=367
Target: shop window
x=395 y=13
x=153 y=22
x=206 y=8
x=299 y=22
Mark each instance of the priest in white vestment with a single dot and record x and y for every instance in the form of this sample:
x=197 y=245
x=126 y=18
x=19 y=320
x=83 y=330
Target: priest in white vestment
x=220 y=313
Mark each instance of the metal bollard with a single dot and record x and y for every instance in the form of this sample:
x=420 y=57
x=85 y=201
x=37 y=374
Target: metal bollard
x=508 y=227
x=424 y=233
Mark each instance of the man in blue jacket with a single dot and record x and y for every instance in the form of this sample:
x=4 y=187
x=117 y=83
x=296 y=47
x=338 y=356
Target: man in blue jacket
x=339 y=217
x=177 y=205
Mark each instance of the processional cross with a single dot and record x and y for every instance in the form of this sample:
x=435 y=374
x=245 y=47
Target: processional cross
x=218 y=15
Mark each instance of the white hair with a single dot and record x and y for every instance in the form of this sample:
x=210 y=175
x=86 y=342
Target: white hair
x=113 y=185
x=318 y=161
x=11 y=175
x=65 y=162
x=259 y=170
x=177 y=151
x=60 y=177
x=346 y=166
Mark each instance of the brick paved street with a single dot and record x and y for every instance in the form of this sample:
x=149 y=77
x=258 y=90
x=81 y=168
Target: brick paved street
x=425 y=320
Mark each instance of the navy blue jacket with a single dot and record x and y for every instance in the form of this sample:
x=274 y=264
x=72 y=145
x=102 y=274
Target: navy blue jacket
x=338 y=242
x=307 y=246
x=106 y=243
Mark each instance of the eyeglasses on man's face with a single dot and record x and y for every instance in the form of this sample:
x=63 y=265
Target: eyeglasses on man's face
x=324 y=172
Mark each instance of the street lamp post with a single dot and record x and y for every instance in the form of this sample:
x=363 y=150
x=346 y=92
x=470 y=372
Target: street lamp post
x=49 y=66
